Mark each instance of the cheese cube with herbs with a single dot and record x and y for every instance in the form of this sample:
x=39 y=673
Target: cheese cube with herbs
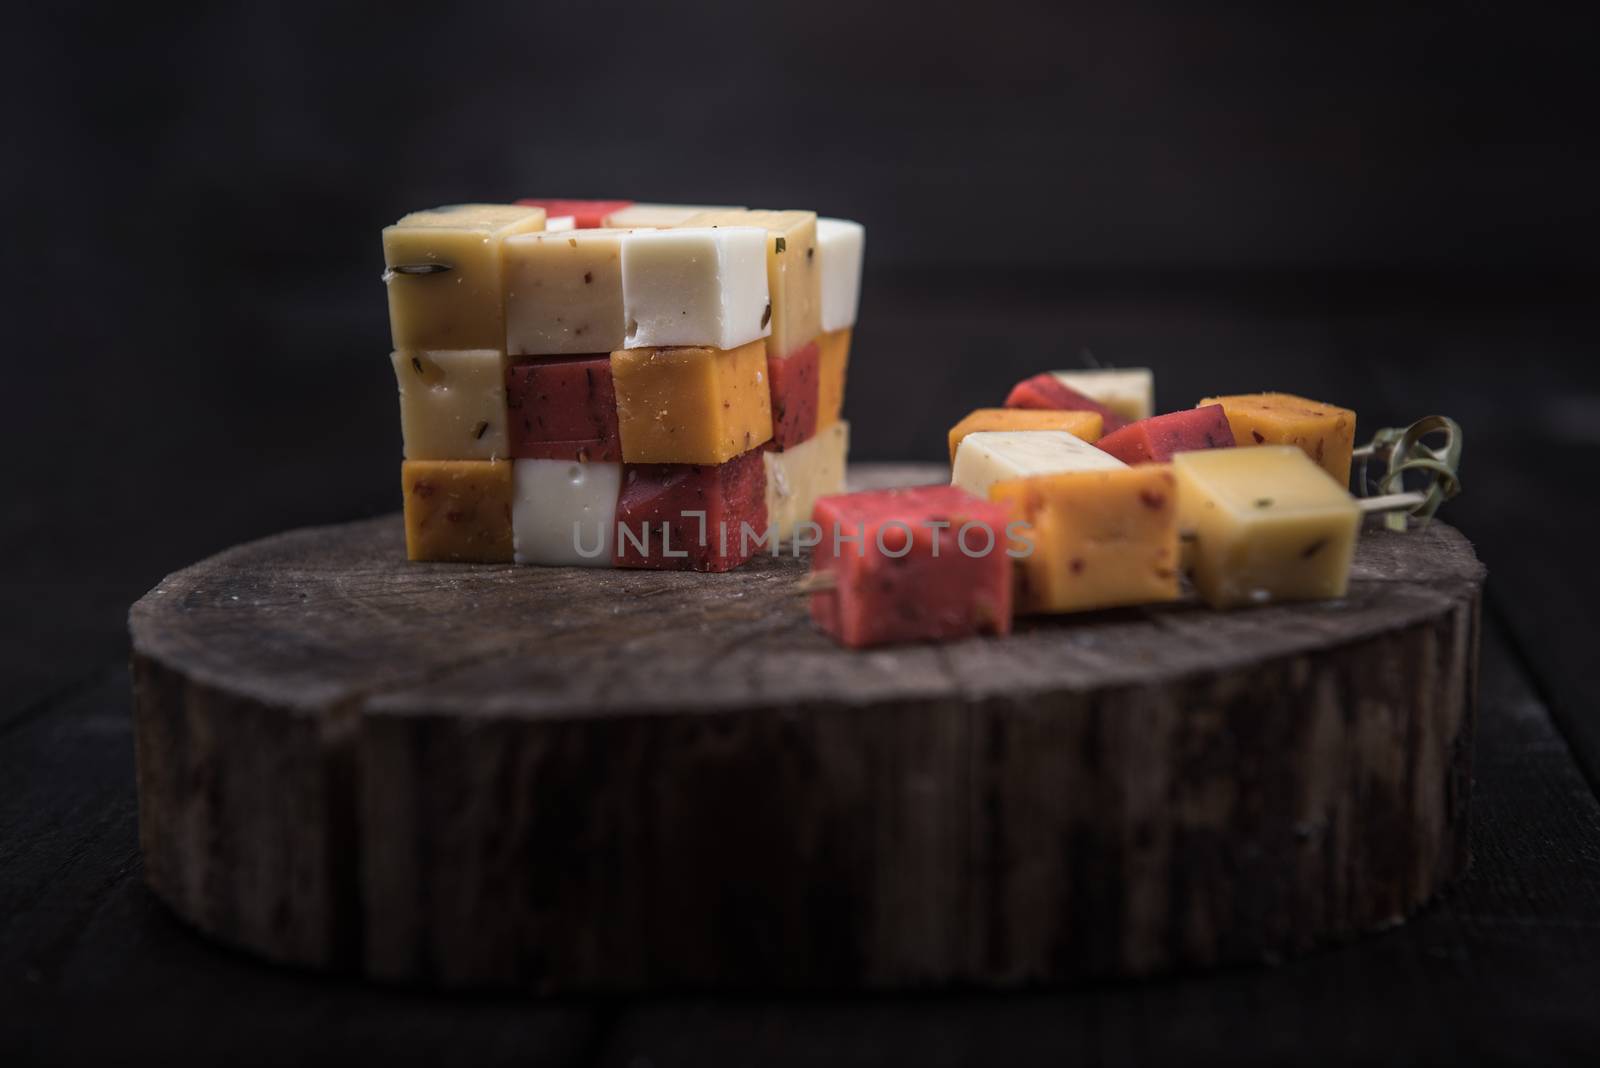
x=833 y=363
x=1046 y=392
x=692 y=517
x=1325 y=432
x=695 y=286
x=1128 y=391
x=564 y=293
x=928 y=563
x=458 y=510
x=564 y=512
x=1158 y=438
x=1266 y=524
x=797 y=477
x=563 y=409
x=840 y=247
x=691 y=405
x=989 y=456
x=794 y=276
x=1100 y=539
x=444 y=274
x=1084 y=425
x=452 y=404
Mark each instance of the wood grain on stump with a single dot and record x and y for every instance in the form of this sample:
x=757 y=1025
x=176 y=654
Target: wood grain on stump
x=585 y=779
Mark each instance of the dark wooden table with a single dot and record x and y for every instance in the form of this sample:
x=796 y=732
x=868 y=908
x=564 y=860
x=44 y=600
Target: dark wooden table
x=191 y=454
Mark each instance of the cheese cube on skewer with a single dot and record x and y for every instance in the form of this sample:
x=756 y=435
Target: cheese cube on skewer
x=1100 y=539
x=840 y=247
x=989 y=456
x=1085 y=425
x=1325 y=432
x=793 y=272
x=458 y=510
x=691 y=405
x=1267 y=524
x=833 y=361
x=564 y=293
x=1128 y=391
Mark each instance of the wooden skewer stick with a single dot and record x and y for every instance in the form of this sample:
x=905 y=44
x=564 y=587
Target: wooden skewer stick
x=818 y=582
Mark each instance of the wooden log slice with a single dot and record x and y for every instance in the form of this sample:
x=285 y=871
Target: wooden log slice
x=593 y=779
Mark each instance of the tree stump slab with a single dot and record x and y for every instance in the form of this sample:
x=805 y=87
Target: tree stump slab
x=575 y=779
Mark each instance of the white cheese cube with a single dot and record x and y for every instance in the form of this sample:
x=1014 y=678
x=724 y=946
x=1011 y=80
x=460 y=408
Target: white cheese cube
x=657 y=214
x=840 y=244
x=564 y=512
x=1128 y=391
x=564 y=292
x=797 y=476
x=695 y=286
x=452 y=404
x=990 y=456
x=561 y=223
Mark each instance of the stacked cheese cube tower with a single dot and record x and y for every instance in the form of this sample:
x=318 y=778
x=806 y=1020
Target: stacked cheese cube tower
x=618 y=384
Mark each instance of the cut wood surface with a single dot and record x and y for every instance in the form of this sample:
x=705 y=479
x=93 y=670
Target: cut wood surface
x=597 y=779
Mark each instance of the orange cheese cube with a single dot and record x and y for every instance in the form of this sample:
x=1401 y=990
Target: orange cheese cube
x=833 y=359
x=1325 y=433
x=1099 y=538
x=1084 y=425
x=691 y=405
x=458 y=510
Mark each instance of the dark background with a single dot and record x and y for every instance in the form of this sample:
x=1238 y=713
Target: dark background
x=1384 y=207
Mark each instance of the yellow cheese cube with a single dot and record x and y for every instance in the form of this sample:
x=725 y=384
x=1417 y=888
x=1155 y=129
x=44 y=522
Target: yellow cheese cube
x=691 y=405
x=452 y=404
x=1100 y=538
x=1266 y=524
x=1084 y=425
x=794 y=278
x=445 y=277
x=1326 y=433
x=458 y=510
x=833 y=361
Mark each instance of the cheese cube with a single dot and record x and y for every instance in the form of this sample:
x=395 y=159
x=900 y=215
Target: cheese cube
x=1100 y=539
x=661 y=215
x=927 y=563
x=840 y=246
x=1128 y=391
x=795 y=394
x=563 y=409
x=797 y=477
x=833 y=363
x=793 y=273
x=692 y=517
x=1045 y=392
x=564 y=293
x=564 y=512
x=691 y=405
x=695 y=286
x=444 y=274
x=988 y=456
x=1267 y=525
x=458 y=510
x=576 y=214
x=1158 y=438
x=452 y=404
x=1084 y=425
x=1325 y=432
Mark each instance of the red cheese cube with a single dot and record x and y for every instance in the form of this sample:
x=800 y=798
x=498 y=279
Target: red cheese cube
x=1154 y=440
x=586 y=214
x=1047 y=392
x=908 y=579
x=793 y=380
x=659 y=520
x=563 y=409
